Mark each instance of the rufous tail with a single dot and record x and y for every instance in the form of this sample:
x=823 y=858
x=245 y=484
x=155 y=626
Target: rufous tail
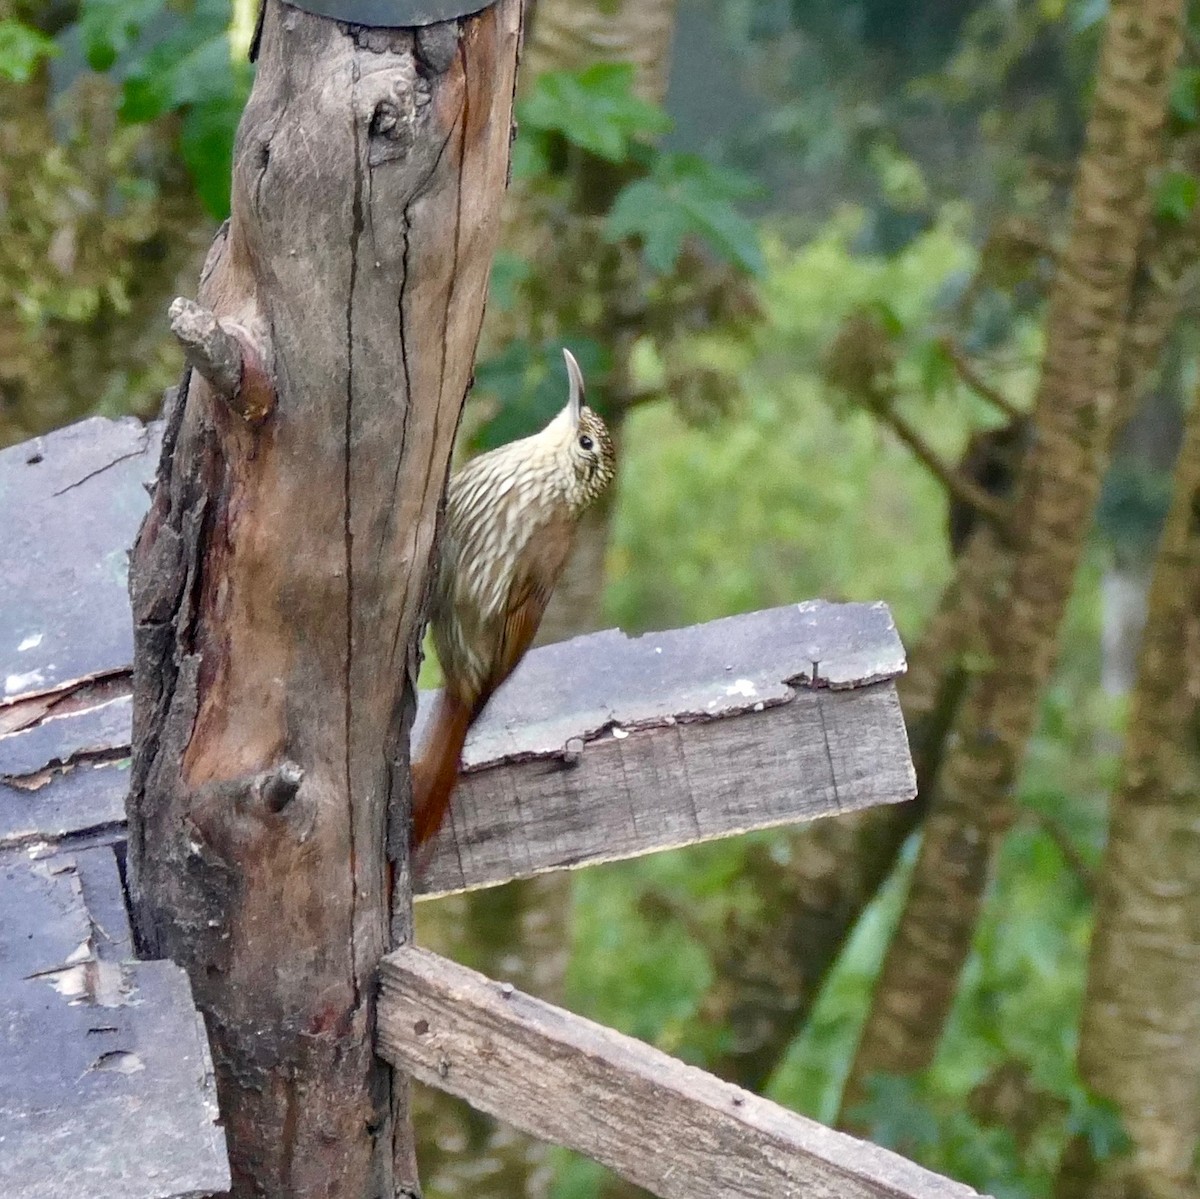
x=435 y=772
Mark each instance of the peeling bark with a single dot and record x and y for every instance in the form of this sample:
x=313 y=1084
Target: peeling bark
x=278 y=579
x=1140 y=1036
x=1076 y=406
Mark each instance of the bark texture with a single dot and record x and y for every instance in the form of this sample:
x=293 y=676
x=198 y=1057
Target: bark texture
x=1076 y=405
x=278 y=579
x=1140 y=1038
x=571 y=34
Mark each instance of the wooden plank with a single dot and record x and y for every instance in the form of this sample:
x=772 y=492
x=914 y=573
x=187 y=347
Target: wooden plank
x=599 y=748
x=818 y=754
x=552 y=778
x=106 y=1086
x=610 y=746
x=666 y=1126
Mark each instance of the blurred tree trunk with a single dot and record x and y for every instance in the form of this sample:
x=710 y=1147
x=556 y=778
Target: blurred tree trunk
x=773 y=961
x=521 y=932
x=1078 y=402
x=1140 y=1036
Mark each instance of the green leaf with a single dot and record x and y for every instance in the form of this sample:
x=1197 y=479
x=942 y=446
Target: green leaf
x=684 y=196
x=1176 y=196
x=529 y=157
x=1185 y=95
x=180 y=73
x=21 y=49
x=595 y=109
x=644 y=210
x=109 y=27
x=509 y=272
x=1100 y=1121
x=936 y=367
x=206 y=139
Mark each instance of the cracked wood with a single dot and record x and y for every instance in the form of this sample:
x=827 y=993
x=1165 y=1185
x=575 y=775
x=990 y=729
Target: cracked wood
x=278 y=579
x=664 y=1125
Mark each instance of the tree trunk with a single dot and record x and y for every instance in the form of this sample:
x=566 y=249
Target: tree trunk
x=1140 y=1037
x=278 y=579
x=569 y=35
x=1081 y=384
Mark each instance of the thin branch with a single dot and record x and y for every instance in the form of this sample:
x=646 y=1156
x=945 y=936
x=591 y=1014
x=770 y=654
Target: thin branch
x=222 y=354
x=976 y=382
x=1071 y=855
x=958 y=485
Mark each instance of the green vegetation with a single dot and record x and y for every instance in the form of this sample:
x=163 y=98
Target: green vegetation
x=748 y=479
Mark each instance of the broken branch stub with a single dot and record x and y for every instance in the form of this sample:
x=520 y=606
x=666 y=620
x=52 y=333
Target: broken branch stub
x=222 y=354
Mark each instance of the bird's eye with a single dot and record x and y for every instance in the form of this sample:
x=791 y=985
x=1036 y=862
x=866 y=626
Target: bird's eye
x=585 y=442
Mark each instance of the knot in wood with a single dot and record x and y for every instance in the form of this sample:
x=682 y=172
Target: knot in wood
x=388 y=102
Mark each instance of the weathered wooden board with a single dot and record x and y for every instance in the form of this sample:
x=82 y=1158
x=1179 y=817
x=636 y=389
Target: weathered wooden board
x=666 y=1126
x=106 y=1085
x=628 y=793
x=609 y=746
x=72 y=502
x=599 y=748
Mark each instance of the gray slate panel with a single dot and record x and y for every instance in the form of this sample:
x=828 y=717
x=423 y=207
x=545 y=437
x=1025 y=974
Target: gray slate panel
x=71 y=503
x=80 y=800
x=62 y=739
x=106 y=1086
x=580 y=687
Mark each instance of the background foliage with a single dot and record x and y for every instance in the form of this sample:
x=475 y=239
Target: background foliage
x=905 y=160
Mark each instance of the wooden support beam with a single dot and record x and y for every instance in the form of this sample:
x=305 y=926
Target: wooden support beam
x=278 y=579
x=599 y=748
x=663 y=1125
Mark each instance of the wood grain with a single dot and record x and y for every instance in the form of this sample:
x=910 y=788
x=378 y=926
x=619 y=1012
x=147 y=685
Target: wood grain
x=666 y=1126
x=627 y=793
x=279 y=577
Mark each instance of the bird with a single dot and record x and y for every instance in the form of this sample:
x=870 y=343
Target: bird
x=510 y=521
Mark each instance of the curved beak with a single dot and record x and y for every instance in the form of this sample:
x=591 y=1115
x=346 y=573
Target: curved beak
x=575 y=402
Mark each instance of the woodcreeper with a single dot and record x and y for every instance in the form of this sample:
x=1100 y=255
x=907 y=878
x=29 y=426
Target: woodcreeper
x=511 y=516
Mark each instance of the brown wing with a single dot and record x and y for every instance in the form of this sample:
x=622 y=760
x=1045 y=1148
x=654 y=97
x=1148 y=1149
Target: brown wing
x=527 y=600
